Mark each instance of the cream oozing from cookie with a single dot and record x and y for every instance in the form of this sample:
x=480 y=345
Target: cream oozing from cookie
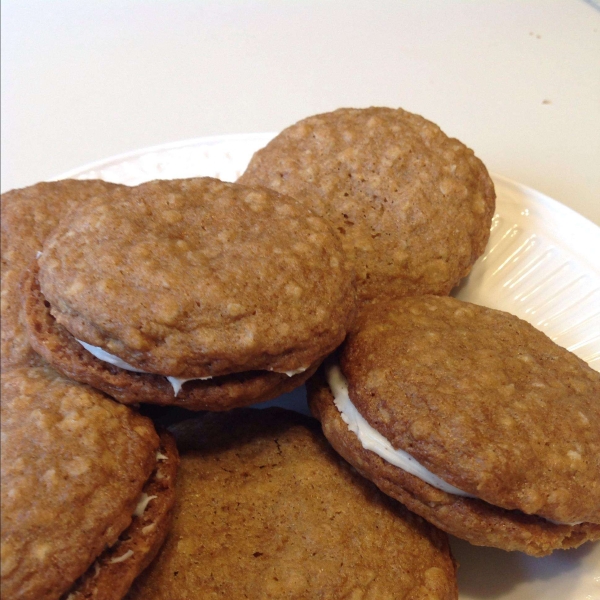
x=372 y=440
x=176 y=382
x=293 y=372
x=100 y=354
x=142 y=504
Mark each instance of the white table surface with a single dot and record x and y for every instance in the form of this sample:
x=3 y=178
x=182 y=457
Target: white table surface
x=517 y=80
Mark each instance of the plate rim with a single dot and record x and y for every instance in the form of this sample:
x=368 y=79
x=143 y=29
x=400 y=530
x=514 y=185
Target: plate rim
x=128 y=155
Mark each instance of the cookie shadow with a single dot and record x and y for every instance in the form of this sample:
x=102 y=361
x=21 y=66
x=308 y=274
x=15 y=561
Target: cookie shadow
x=294 y=400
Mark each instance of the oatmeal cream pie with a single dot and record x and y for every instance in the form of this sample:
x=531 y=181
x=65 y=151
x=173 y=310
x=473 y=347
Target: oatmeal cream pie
x=266 y=509
x=28 y=216
x=472 y=418
x=88 y=489
x=412 y=205
x=192 y=292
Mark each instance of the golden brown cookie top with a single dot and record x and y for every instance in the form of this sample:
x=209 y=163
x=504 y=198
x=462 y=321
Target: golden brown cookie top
x=483 y=400
x=266 y=509
x=198 y=277
x=73 y=466
x=28 y=217
x=413 y=206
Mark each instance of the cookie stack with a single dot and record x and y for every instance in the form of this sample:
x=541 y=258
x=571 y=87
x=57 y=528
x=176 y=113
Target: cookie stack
x=329 y=262
x=471 y=418
x=468 y=416
x=197 y=293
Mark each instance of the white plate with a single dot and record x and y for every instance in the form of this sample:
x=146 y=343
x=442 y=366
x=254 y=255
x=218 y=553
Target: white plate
x=542 y=263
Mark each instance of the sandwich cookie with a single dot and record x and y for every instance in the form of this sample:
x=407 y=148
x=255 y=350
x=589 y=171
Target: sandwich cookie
x=191 y=292
x=28 y=217
x=87 y=489
x=470 y=417
x=413 y=206
x=266 y=509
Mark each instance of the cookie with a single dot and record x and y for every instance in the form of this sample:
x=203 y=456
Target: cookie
x=28 y=217
x=241 y=291
x=266 y=509
x=412 y=205
x=472 y=418
x=87 y=489
x=59 y=347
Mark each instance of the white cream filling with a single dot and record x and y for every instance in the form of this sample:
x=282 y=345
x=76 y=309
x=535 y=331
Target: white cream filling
x=293 y=372
x=372 y=440
x=142 y=504
x=121 y=558
x=100 y=354
x=176 y=382
x=148 y=528
x=109 y=358
x=138 y=512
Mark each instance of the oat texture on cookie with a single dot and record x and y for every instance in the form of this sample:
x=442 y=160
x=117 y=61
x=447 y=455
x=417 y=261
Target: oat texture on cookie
x=412 y=205
x=460 y=380
x=74 y=463
x=485 y=402
x=197 y=278
x=28 y=217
